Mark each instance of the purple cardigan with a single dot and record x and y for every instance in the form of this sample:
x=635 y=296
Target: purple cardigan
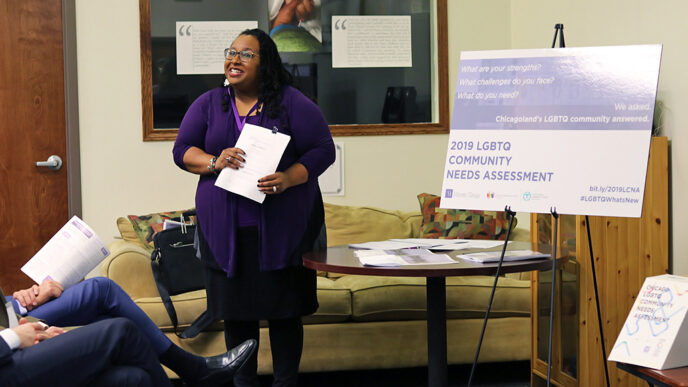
x=284 y=218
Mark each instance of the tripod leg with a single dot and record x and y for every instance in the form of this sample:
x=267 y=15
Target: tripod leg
x=512 y=215
x=597 y=302
x=551 y=300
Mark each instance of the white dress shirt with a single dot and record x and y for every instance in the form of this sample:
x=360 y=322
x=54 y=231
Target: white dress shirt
x=11 y=338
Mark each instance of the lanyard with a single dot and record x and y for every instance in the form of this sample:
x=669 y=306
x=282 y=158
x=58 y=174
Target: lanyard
x=240 y=123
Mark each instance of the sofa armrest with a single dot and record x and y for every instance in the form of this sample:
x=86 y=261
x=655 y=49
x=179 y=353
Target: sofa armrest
x=129 y=266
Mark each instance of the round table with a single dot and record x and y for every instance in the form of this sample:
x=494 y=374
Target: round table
x=341 y=259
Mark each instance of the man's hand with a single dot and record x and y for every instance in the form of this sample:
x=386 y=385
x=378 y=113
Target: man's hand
x=49 y=289
x=53 y=331
x=36 y=295
x=29 y=333
x=27 y=297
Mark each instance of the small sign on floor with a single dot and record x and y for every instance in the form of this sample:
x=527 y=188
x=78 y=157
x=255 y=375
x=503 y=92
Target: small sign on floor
x=655 y=334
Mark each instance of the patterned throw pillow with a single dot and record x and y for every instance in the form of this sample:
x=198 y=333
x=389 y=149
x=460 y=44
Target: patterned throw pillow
x=146 y=226
x=460 y=224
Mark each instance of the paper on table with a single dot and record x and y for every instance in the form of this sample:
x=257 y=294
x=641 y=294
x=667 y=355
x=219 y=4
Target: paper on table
x=451 y=244
x=480 y=243
x=386 y=245
x=381 y=261
x=449 y=247
x=263 y=150
x=431 y=241
x=401 y=257
x=493 y=256
x=68 y=256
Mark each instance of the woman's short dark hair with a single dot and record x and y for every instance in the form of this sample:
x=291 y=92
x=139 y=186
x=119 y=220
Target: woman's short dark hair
x=272 y=74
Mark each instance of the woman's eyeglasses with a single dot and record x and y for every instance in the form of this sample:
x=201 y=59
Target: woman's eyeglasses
x=244 y=56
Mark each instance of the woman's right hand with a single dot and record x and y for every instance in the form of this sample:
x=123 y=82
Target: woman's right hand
x=230 y=158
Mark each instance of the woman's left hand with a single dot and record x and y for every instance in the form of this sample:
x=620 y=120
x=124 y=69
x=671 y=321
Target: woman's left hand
x=275 y=183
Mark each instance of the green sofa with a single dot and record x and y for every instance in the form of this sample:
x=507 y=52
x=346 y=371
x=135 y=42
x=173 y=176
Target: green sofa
x=364 y=322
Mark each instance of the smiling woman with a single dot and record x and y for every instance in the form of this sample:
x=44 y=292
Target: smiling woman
x=252 y=250
x=363 y=96
x=241 y=71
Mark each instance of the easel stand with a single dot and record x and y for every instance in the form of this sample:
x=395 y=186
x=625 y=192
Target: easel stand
x=511 y=215
x=597 y=301
x=553 y=211
x=559 y=31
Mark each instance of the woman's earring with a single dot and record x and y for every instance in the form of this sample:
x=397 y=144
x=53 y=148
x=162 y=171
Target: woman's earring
x=226 y=82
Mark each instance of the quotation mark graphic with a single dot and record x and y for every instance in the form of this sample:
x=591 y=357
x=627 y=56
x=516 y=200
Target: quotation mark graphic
x=182 y=30
x=338 y=26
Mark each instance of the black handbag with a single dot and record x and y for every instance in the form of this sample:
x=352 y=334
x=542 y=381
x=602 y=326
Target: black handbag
x=177 y=270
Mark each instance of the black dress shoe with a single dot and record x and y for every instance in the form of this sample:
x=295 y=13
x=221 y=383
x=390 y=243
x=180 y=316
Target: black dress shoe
x=221 y=368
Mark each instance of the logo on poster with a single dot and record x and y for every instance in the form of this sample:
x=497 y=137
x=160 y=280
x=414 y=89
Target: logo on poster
x=490 y=195
x=527 y=196
x=448 y=193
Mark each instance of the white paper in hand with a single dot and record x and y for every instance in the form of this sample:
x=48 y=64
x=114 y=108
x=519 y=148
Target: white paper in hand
x=68 y=256
x=263 y=150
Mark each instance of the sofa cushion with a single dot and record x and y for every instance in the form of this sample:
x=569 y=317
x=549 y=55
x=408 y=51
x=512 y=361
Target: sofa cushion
x=378 y=298
x=349 y=224
x=334 y=301
x=187 y=305
x=462 y=224
x=126 y=230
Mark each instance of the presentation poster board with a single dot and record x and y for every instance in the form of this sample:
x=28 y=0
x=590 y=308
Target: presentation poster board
x=655 y=334
x=565 y=129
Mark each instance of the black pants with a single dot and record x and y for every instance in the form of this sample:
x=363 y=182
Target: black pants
x=281 y=297
x=286 y=342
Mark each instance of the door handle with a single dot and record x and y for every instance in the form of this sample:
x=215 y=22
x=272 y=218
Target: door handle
x=54 y=162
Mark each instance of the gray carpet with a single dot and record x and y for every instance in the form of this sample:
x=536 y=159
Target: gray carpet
x=512 y=374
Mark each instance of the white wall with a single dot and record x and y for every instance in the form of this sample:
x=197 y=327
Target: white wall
x=123 y=175
x=617 y=22
x=120 y=174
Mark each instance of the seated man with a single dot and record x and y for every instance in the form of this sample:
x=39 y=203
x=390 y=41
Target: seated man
x=112 y=352
x=100 y=298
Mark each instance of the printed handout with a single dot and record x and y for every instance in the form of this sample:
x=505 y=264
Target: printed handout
x=401 y=257
x=493 y=256
x=428 y=243
x=264 y=149
x=68 y=256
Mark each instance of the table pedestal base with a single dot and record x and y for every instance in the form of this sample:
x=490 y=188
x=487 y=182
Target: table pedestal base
x=437 y=331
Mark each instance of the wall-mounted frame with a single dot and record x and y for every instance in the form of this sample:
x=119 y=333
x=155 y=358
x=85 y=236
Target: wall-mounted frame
x=355 y=101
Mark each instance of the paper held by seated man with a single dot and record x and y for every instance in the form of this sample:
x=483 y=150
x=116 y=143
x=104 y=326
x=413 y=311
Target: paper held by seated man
x=68 y=256
x=264 y=149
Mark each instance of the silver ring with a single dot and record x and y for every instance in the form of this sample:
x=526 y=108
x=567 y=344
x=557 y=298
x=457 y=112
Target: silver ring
x=229 y=159
x=274 y=188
